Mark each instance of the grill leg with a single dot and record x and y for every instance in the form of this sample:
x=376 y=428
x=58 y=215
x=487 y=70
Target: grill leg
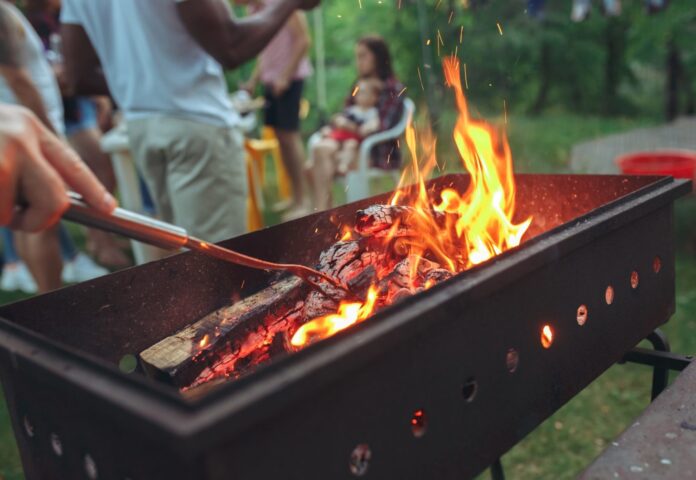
x=497 y=472
x=659 y=341
x=660 y=358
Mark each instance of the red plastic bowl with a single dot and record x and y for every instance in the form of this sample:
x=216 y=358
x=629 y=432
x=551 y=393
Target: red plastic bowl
x=679 y=164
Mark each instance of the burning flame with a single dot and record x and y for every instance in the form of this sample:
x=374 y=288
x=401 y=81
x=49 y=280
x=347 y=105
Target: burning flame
x=477 y=223
x=458 y=230
x=326 y=326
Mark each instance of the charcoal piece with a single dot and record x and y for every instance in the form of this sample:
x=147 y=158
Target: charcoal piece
x=377 y=218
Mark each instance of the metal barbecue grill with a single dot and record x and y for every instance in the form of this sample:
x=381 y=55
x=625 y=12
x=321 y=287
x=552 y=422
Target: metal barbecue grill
x=439 y=385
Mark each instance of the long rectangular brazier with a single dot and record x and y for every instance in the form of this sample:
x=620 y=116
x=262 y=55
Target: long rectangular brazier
x=320 y=413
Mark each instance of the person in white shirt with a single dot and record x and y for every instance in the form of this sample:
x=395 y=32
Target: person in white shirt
x=162 y=61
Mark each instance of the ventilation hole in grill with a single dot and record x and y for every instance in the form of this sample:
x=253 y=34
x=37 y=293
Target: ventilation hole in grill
x=609 y=295
x=634 y=279
x=512 y=359
x=582 y=315
x=128 y=363
x=360 y=459
x=90 y=468
x=657 y=264
x=56 y=445
x=546 y=336
x=28 y=427
x=470 y=389
x=419 y=423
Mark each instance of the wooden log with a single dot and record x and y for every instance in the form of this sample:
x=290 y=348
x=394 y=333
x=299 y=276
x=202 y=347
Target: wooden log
x=180 y=358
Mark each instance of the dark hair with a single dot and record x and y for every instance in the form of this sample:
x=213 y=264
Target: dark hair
x=380 y=50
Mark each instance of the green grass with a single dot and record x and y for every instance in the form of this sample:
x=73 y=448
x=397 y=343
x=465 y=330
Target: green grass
x=577 y=433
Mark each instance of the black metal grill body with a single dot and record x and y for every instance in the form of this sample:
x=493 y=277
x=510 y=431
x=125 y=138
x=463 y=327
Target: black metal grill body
x=303 y=415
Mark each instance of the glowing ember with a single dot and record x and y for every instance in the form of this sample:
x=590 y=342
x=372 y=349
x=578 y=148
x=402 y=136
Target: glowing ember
x=457 y=230
x=546 y=336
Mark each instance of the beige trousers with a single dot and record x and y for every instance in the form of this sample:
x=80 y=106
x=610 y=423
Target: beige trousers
x=195 y=173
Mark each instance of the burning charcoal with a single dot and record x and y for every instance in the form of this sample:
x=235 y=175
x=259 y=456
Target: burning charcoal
x=376 y=218
x=361 y=282
x=379 y=218
x=337 y=256
x=437 y=275
x=400 y=294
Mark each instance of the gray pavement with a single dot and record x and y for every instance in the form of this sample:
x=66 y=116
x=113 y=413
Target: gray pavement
x=597 y=156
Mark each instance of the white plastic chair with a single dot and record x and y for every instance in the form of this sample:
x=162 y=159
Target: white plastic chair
x=358 y=181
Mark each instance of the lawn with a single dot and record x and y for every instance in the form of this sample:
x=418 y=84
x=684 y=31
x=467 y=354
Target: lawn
x=577 y=433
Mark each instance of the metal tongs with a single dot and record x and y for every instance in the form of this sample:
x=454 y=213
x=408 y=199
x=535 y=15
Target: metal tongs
x=171 y=237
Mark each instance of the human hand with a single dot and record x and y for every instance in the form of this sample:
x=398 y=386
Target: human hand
x=280 y=86
x=34 y=164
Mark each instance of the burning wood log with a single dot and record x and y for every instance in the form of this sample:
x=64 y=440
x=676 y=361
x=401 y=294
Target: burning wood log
x=180 y=358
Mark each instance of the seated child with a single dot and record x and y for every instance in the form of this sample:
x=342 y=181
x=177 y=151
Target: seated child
x=356 y=122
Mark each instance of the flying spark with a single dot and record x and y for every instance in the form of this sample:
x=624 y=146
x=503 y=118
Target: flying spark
x=500 y=28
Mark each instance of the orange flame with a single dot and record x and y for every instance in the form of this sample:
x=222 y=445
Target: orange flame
x=478 y=223
x=457 y=230
x=326 y=326
x=347 y=233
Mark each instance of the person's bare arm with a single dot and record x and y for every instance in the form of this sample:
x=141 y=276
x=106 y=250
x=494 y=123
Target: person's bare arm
x=233 y=41
x=83 y=72
x=300 y=32
x=24 y=89
x=12 y=67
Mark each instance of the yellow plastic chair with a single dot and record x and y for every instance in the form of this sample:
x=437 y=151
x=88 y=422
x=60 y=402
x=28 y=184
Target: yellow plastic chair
x=284 y=185
x=256 y=152
x=257 y=149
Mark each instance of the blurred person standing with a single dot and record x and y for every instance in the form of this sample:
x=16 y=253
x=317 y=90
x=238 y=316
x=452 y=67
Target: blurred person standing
x=163 y=62
x=84 y=134
x=282 y=68
x=26 y=79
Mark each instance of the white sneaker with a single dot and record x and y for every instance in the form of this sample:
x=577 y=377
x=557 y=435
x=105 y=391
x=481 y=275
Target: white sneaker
x=16 y=276
x=81 y=269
